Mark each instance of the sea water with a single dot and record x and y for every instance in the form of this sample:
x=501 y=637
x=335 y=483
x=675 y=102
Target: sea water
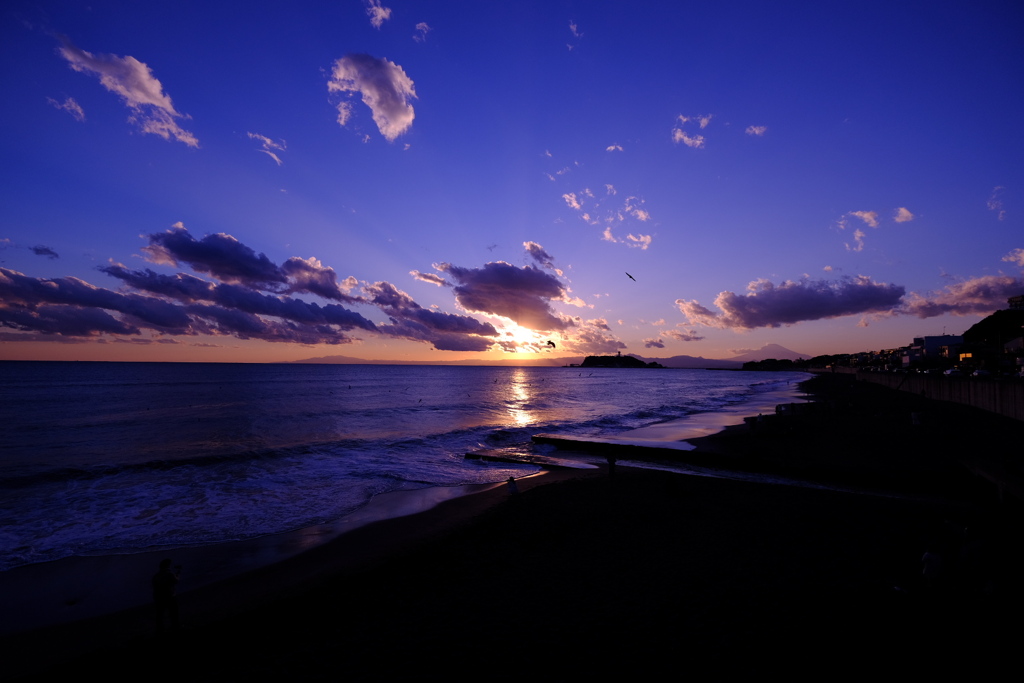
x=103 y=458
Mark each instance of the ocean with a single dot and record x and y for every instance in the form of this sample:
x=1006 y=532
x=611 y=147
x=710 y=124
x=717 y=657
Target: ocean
x=112 y=458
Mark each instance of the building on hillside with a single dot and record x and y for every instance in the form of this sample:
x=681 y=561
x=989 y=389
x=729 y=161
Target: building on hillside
x=934 y=351
x=995 y=342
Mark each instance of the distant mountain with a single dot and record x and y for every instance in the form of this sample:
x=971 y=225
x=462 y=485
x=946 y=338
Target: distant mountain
x=769 y=351
x=344 y=360
x=694 y=362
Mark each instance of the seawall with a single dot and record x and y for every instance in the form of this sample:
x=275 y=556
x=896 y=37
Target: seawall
x=1004 y=397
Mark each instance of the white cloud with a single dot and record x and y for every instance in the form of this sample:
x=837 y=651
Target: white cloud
x=641 y=241
x=702 y=119
x=903 y=215
x=1015 y=256
x=142 y=93
x=598 y=212
x=757 y=130
x=678 y=135
x=636 y=241
x=575 y=30
x=70 y=106
x=378 y=14
x=632 y=207
x=994 y=202
x=613 y=148
x=269 y=146
x=344 y=112
x=385 y=89
x=869 y=217
x=858 y=240
x=421 y=32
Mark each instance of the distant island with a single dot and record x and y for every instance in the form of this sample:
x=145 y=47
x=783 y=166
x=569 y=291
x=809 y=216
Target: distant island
x=555 y=361
x=618 y=361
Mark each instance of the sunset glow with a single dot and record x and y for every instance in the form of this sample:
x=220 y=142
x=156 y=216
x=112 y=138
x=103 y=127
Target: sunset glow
x=441 y=181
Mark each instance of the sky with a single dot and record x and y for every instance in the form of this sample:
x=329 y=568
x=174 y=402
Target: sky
x=437 y=181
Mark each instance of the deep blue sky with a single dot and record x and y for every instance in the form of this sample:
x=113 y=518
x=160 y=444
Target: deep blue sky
x=471 y=178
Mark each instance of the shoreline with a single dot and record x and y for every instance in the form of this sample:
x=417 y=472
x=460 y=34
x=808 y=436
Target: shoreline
x=578 y=557
x=371 y=537
x=85 y=591
x=83 y=587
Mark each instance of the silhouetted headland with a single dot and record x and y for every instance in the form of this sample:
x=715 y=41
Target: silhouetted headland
x=617 y=361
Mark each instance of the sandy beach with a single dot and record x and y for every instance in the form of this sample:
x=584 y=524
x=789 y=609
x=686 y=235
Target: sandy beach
x=644 y=572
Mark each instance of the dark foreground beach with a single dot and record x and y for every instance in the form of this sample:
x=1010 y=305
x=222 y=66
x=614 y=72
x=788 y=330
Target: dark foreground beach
x=644 y=573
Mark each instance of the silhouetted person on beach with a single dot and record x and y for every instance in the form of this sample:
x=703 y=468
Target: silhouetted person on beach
x=611 y=465
x=165 y=584
x=512 y=488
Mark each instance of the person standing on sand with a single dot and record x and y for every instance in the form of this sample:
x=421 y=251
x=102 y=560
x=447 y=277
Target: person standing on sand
x=165 y=584
x=512 y=488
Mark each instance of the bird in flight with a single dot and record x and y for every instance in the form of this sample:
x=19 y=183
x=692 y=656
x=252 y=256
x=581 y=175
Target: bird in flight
x=551 y=344
x=631 y=277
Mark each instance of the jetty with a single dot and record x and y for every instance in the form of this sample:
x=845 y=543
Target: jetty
x=542 y=461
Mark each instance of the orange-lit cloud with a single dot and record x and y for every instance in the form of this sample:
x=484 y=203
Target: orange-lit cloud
x=975 y=296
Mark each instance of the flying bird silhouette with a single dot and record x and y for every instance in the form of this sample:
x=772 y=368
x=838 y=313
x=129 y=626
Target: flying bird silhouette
x=631 y=277
x=551 y=344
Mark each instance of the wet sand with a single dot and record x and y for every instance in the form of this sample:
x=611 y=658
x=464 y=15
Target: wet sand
x=641 y=573
x=76 y=588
